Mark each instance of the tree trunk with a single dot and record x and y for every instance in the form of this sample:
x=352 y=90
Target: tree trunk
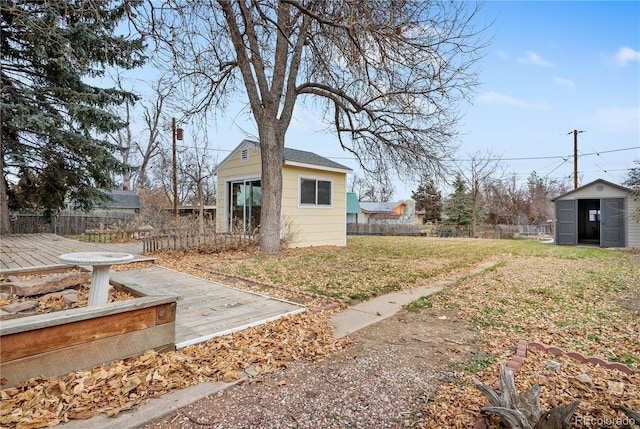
x=272 y=155
x=474 y=214
x=201 y=209
x=475 y=194
x=4 y=201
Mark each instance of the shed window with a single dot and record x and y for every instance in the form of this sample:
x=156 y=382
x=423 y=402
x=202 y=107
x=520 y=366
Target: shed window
x=315 y=192
x=594 y=215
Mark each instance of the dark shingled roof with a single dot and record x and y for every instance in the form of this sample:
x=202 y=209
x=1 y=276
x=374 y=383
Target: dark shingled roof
x=123 y=200
x=295 y=155
x=304 y=157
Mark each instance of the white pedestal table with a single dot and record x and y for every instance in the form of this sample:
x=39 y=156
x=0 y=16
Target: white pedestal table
x=101 y=263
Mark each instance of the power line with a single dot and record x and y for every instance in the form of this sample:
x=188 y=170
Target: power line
x=524 y=158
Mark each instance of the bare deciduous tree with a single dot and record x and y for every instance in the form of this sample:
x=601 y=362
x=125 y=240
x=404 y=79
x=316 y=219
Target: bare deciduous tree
x=386 y=74
x=506 y=202
x=153 y=117
x=540 y=192
x=123 y=137
x=197 y=172
x=480 y=171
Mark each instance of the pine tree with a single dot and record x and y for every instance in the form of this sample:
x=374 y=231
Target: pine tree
x=429 y=200
x=54 y=124
x=460 y=205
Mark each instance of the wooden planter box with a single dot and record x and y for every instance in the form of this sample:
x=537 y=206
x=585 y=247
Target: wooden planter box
x=57 y=343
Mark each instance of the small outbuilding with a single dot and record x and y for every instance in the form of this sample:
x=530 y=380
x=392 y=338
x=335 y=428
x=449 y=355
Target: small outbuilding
x=313 y=195
x=600 y=213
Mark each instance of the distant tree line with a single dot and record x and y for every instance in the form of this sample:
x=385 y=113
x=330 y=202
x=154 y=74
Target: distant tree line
x=498 y=201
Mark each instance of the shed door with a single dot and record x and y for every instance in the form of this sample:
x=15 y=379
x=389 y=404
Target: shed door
x=566 y=225
x=612 y=221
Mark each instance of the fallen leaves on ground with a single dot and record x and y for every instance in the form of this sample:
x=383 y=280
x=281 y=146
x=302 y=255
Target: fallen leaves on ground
x=124 y=385
x=573 y=298
x=458 y=402
x=590 y=305
x=364 y=269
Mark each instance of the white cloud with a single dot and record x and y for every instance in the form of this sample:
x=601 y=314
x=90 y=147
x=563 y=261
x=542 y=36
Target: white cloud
x=502 y=54
x=533 y=58
x=564 y=82
x=492 y=97
x=625 y=55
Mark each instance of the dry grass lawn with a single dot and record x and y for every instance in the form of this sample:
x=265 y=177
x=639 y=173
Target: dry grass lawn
x=577 y=298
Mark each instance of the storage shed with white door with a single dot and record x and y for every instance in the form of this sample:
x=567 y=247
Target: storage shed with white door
x=600 y=213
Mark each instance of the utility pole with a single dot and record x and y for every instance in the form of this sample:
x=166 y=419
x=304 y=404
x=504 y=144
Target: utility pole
x=176 y=134
x=575 y=157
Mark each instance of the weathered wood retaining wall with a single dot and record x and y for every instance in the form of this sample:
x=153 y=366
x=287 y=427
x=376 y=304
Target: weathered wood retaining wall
x=64 y=341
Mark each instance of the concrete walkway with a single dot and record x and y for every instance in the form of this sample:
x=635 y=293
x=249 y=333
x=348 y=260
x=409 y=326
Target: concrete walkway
x=373 y=311
x=345 y=322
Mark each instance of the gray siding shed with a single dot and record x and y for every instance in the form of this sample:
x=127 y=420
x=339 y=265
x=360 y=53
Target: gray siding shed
x=600 y=213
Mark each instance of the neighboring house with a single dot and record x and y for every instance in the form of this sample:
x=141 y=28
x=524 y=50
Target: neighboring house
x=354 y=211
x=123 y=202
x=399 y=212
x=599 y=213
x=313 y=195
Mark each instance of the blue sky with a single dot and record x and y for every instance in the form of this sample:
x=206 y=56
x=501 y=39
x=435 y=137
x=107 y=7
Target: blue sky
x=553 y=67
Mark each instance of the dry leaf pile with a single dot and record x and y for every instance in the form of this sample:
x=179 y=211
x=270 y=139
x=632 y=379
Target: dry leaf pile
x=124 y=385
x=55 y=301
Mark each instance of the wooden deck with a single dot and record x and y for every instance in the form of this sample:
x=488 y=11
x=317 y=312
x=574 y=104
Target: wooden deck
x=26 y=252
x=205 y=309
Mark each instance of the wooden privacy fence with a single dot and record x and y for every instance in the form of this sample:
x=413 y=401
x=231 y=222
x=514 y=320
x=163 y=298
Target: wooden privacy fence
x=385 y=229
x=68 y=223
x=514 y=231
x=177 y=240
x=445 y=230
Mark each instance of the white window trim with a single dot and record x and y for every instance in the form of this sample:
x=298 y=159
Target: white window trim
x=314 y=206
x=244 y=155
x=227 y=197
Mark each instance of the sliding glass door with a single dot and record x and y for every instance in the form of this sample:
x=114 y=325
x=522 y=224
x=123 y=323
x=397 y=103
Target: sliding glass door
x=245 y=205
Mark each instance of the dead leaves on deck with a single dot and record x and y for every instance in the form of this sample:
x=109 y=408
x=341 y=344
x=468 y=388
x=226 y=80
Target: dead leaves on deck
x=124 y=385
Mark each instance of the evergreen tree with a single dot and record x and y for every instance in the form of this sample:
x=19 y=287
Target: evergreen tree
x=429 y=200
x=54 y=124
x=460 y=205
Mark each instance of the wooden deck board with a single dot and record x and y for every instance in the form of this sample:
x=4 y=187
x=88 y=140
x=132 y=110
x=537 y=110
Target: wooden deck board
x=25 y=252
x=205 y=309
